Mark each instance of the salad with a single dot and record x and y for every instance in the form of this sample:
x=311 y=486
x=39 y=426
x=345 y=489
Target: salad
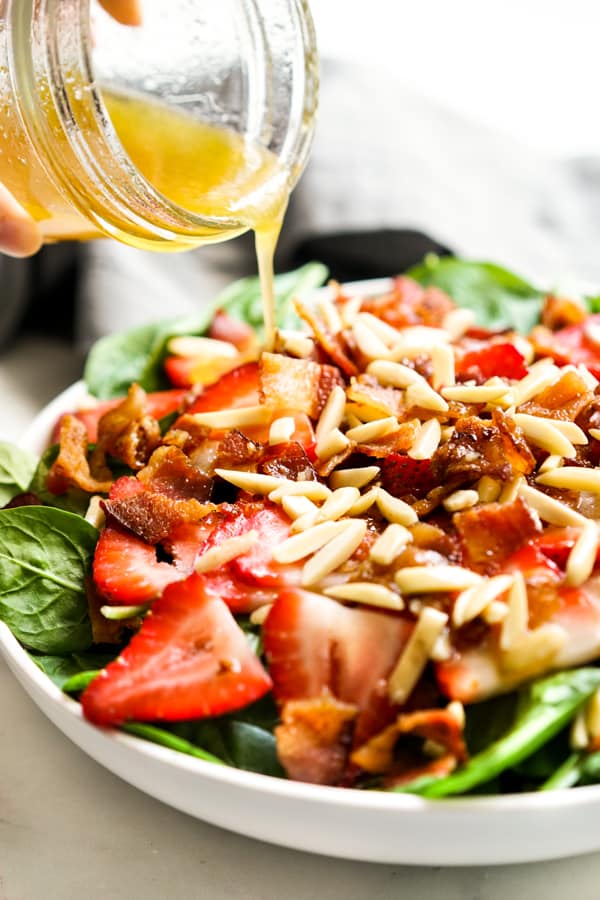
x=368 y=559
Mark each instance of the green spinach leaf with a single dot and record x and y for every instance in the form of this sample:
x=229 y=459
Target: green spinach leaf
x=69 y=672
x=45 y=556
x=169 y=739
x=498 y=298
x=137 y=355
x=16 y=470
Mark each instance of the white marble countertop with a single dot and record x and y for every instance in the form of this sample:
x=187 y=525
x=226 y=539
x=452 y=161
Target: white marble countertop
x=69 y=828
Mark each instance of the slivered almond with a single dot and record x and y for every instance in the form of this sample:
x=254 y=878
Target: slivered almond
x=331 y=443
x=427 y=440
x=297 y=344
x=340 y=502
x=442 y=358
x=298 y=505
x=416 y=654
x=390 y=544
x=304 y=522
x=551 y=462
x=570 y=430
x=365 y=592
x=234 y=418
x=476 y=393
x=460 y=500
x=472 y=602
x=416 y=340
x=495 y=612
x=364 y=502
x=488 y=489
x=421 y=394
x=330 y=315
x=511 y=490
x=433 y=579
x=549 y=509
x=578 y=732
x=201 y=346
x=349 y=311
x=395 y=510
x=258 y=616
x=281 y=430
x=314 y=490
x=535 y=650
x=591 y=382
x=457 y=321
x=370 y=431
x=595 y=433
x=353 y=477
x=393 y=374
x=546 y=435
x=387 y=333
x=457 y=711
x=539 y=378
x=369 y=344
x=225 y=551
x=363 y=413
x=119 y=613
x=572 y=478
x=515 y=622
x=333 y=412
x=592 y=715
x=524 y=347
x=442 y=649
x=94 y=513
x=253 y=482
x=311 y=540
x=582 y=557
x=335 y=552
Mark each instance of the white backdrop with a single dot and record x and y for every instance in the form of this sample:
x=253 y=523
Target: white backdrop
x=528 y=67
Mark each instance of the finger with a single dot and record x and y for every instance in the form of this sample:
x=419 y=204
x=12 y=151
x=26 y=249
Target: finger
x=19 y=234
x=127 y=12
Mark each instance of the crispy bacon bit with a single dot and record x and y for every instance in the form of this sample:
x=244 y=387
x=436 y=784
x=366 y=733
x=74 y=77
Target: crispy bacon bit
x=314 y=739
x=127 y=432
x=514 y=444
x=439 y=725
x=170 y=472
x=330 y=344
x=436 y=768
x=236 y=450
x=71 y=466
x=396 y=442
x=287 y=461
x=558 y=312
x=410 y=304
x=366 y=391
x=492 y=533
x=563 y=400
x=325 y=467
x=298 y=384
x=153 y=516
x=479 y=447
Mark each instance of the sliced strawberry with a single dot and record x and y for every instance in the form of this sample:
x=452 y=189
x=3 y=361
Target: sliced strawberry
x=180 y=370
x=316 y=647
x=189 y=659
x=503 y=360
x=237 y=388
x=158 y=404
x=574 y=344
x=403 y=475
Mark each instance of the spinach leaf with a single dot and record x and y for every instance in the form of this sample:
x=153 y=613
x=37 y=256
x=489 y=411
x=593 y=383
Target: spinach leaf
x=253 y=748
x=45 y=556
x=498 y=298
x=66 y=671
x=16 y=469
x=546 y=707
x=117 y=360
x=74 y=500
x=168 y=739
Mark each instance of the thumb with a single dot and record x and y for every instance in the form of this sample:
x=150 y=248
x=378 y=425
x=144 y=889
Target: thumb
x=19 y=233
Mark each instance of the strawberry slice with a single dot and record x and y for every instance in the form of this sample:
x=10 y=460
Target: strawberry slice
x=158 y=405
x=316 y=647
x=402 y=475
x=574 y=344
x=190 y=659
x=494 y=359
x=237 y=388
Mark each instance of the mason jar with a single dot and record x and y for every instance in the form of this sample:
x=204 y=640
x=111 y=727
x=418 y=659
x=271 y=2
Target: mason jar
x=191 y=128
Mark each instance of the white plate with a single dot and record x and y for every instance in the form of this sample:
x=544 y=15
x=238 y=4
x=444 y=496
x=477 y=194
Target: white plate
x=359 y=825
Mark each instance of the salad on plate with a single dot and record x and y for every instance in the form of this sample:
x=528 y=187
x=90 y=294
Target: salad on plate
x=368 y=559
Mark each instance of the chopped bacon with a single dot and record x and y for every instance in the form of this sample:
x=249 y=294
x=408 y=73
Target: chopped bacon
x=478 y=447
x=514 y=444
x=563 y=400
x=71 y=466
x=127 y=432
x=298 y=384
x=398 y=441
x=409 y=303
x=314 y=739
x=502 y=359
x=559 y=312
x=153 y=515
x=288 y=460
x=492 y=533
x=439 y=725
x=237 y=451
x=402 y=475
x=330 y=344
x=366 y=391
x=170 y=472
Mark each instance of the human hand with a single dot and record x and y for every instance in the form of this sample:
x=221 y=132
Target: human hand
x=20 y=235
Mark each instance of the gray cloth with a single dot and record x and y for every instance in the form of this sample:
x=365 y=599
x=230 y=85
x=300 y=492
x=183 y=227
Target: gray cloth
x=383 y=156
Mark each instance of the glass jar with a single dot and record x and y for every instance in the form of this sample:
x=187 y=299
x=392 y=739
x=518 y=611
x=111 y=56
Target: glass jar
x=190 y=128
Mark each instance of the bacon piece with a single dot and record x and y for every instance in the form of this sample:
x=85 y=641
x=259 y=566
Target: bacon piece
x=153 y=516
x=127 y=432
x=409 y=303
x=170 y=472
x=298 y=384
x=314 y=739
x=559 y=312
x=366 y=391
x=479 y=447
x=330 y=344
x=514 y=445
x=563 y=400
x=378 y=754
x=397 y=441
x=288 y=460
x=71 y=466
x=492 y=533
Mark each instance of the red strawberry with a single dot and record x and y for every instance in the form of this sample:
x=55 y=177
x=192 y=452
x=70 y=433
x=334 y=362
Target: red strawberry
x=316 y=646
x=189 y=659
x=180 y=370
x=574 y=344
x=158 y=405
x=402 y=475
x=240 y=387
x=495 y=359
